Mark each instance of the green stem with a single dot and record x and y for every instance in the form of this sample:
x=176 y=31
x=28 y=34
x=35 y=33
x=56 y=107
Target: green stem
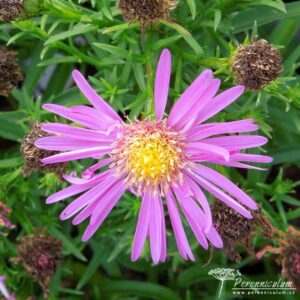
x=220 y=291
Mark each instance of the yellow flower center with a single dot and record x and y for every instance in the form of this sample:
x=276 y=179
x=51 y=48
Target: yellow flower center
x=150 y=154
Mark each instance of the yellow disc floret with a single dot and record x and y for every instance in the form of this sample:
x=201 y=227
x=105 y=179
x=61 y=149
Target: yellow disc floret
x=150 y=154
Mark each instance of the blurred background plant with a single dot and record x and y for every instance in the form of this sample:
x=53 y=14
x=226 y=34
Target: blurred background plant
x=52 y=37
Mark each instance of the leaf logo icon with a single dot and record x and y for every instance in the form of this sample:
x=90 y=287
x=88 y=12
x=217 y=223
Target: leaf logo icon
x=223 y=274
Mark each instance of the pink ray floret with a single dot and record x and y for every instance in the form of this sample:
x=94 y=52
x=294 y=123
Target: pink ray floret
x=159 y=159
x=4 y=291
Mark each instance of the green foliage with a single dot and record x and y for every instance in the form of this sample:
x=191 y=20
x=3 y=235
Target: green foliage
x=91 y=35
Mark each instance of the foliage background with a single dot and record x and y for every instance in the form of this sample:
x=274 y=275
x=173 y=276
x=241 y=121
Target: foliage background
x=91 y=35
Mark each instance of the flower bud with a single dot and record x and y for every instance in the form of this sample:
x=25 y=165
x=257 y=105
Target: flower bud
x=146 y=12
x=32 y=7
x=33 y=155
x=10 y=74
x=256 y=65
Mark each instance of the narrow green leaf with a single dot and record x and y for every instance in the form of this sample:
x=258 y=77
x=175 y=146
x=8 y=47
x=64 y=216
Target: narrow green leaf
x=77 y=30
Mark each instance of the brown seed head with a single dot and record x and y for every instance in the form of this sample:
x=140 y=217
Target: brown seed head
x=146 y=11
x=237 y=230
x=256 y=65
x=33 y=155
x=11 y=10
x=291 y=262
x=39 y=255
x=10 y=74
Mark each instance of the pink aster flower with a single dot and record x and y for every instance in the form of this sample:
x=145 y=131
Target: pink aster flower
x=160 y=159
x=3 y=290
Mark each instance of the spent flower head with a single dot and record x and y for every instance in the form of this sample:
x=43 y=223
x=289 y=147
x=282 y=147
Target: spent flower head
x=256 y=65
x=11 y=10
x=288 y=254
x=146 y=12
x=237 y=230
x=39 y=254
x=32 y=155
x=10 y=73
x=156 y=158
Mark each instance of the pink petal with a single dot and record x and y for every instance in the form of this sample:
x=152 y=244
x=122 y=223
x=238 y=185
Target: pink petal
x=141 y=228
x=163 y=252
x=191 y=210
x=237 y=141
x=252 y=158
x=109 y=190
x=190 y=96
x=93 y=97
x=93 y=113
x=76 y=154
x=62 y=143
x=113 y=199
x=220 y=102
x=222 y=196
x=204 y=98
x=225 y=184
x=197 y=133
x=162 y=81
x=234 y=164
x=214 y=237
x=76 y=132
x=81 y=119
x=92 y=195
x=89 y=172
x=74 y=189
x=155 y=228
x=200 y=197
x=181 y=240
x=198 y=147
x=3 y=289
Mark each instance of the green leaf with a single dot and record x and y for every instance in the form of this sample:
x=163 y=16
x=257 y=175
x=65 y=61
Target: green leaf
x=192 y=7
x=58 y=60
x=67 y=243
x=10 y=162
x=138 y=288
x=186 y=35
x=77 y=30
x=117 y=51
x=244 y=20
x=217 y=19
x=98 y=258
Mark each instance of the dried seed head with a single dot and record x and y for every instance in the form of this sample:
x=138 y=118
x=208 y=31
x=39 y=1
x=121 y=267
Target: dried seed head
x=288 y=253
x=256 y=65
x=230 y=224
x=33 y=155
x=39 y=255
x=10 y=74
x=237 y=230
x=4 y=222
x=291 y=262
x=11 y=10
x=146 y=11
